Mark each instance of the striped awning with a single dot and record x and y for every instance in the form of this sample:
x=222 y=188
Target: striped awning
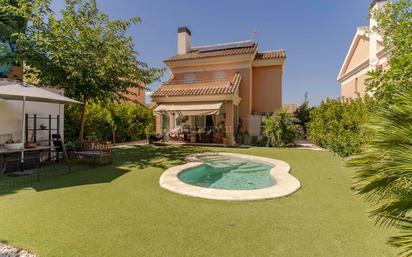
x=190 y=109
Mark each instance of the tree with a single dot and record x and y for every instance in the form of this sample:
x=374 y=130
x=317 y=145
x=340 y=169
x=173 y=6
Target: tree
x=11 y=21
x=280 y=129
x=302 y=114
x=395 y=26
x=337 y=125
x=384 y=167
x=122 y=122
x=84 y=53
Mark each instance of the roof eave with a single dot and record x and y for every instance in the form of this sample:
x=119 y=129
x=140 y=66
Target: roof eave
x=268 y=62
x=196 y=98
x=210 y=60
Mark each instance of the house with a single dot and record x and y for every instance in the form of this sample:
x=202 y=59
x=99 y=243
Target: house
x=222 y=89
x=16 y=72
x=365 y=54
x=137 y=96
x=290 y=108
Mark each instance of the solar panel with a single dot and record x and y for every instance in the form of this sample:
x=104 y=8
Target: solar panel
x=243 y=44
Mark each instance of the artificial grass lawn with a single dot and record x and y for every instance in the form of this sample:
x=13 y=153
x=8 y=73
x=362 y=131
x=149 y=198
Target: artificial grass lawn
x=120 y=210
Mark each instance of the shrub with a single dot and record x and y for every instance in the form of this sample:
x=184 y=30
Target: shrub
x=113 y=122
x=336 y=125
x=302 y=115
x=280 y=129
x=384 y=168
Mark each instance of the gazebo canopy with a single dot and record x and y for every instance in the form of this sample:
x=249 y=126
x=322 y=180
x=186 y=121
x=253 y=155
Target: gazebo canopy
x=15 y=90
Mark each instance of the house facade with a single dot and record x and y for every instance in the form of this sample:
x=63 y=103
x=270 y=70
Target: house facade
x=137 y=96
x=221 y=89
x=365 y=54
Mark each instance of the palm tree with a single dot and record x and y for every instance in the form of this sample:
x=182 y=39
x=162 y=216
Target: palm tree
x=384 y=168
x=280 y=129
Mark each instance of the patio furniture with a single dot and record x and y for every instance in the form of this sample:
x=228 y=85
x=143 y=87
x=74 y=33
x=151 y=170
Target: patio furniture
x=193 y=138
x=40 y=129
x=59 y=148
x=155 y=138
x=207 y=137
x=99 y=152
x=7 y=156
x=20 y=91
x=175 y=134
x=218 y=137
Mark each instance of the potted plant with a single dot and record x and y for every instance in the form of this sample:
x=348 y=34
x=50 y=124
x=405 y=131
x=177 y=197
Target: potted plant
x=12 y=144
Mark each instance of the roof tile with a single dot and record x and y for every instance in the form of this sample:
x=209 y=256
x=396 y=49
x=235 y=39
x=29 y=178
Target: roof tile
x=219 y=87
x=196 y=53
x=274 y=54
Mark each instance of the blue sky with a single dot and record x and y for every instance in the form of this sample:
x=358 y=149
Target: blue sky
x=315 y=34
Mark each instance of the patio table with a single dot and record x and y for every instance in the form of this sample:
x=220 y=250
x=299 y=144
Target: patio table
x=5 y=155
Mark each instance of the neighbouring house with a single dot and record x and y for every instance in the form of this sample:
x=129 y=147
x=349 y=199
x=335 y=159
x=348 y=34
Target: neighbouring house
x=14 y=72
x=366 y=53
x=216 y=92
x=138 y=97
x=290 y=108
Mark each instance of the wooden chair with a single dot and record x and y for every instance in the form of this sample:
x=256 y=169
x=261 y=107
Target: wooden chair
x=100 y=152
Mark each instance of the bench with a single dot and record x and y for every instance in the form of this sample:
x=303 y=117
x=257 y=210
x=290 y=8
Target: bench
x=99 y=151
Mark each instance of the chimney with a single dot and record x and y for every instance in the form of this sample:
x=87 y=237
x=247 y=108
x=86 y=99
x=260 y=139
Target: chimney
x=183 y=40
x=376 y=6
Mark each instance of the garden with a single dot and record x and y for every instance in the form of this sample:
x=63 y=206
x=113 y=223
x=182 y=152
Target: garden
x=138 y=218
x=362 y=175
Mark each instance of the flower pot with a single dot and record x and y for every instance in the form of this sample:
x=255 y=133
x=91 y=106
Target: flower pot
x=15 y=146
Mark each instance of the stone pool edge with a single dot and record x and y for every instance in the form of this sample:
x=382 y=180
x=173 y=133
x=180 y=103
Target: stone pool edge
x=286 y=184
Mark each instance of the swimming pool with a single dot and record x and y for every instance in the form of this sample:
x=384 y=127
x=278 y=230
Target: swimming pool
x=230 y=173
x=230 y=177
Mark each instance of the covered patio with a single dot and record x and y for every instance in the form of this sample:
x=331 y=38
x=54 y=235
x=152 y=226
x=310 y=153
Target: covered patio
x=20 y=142
x=198 y=111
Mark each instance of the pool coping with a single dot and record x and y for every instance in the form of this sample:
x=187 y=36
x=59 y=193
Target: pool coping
x=286 y=184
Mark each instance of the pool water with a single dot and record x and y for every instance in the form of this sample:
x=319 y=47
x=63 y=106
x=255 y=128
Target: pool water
x=223 y=172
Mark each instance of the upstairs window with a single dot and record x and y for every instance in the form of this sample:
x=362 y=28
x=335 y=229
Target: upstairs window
x=219 y=75
x=190 y=77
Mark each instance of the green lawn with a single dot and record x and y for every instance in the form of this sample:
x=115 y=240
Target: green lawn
x=120 y=210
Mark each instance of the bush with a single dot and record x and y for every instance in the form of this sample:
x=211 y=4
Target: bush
x=113 y=122
x=280 y=129
x=336 y=125
x=302 y=115
x=383 y=169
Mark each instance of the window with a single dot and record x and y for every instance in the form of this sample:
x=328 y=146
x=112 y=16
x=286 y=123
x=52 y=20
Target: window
x=219 y=75
x=190 y=77
x=200 y=121
x=165 y=122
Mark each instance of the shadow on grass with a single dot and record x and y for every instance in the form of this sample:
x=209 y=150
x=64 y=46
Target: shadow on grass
x=126 y=159
x=157 y=156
